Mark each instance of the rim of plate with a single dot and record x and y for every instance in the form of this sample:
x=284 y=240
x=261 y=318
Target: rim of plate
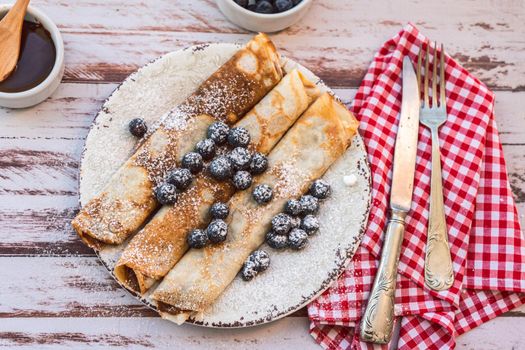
x=332 y=276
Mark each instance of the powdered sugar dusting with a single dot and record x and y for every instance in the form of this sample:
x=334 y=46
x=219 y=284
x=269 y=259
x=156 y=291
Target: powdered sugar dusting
x=178 y=118
x=289 y=180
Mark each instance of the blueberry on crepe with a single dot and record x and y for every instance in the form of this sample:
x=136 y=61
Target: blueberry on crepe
x=218 y=132
x=219 y=210
x=206 y=148
x=193 y=162
x=239 y=137
x=259 y=163
x=309 y=204
x=221 y=168
x=262 y=193
x=276 y=241
x=281 y=223
x=166 y=193
x=197 y=239
x=180 y=177
x=217 y=231
x=242 y=180
x=297 y=239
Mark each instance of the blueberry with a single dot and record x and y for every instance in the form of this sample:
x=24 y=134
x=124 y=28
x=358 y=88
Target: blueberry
x=218 y=132
x=242 y=180
x=206 y=148
x=220 y=168
x=297 y=239
x=166 y=193
x=276 y=241
x=259 y=163
x=320 y=189
x=293 y=207
x=261 y=259
x=219 y=210
x=309 y=204
x=137 y=127
x=283 y=5
x=281 y=223
x=262 y=193
x=295 y=2
x=217 y=231
x=239 y=136
x=193 y=162
x=242 y=3
x=249 y=270
x=240 y=158
x=180 y=177
x=310 y=224
x=197 y=239
x=264 y=7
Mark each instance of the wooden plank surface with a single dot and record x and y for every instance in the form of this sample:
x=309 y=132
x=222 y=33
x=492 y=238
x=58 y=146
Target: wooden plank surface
x=129 y=333
x=57 y=294
x=105 y=41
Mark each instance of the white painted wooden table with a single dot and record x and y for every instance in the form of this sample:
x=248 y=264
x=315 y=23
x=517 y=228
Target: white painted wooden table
x=55 y=293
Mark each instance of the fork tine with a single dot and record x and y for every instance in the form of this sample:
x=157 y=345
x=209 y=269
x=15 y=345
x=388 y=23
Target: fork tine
x=425 y=91
x=434 y=77
x=442 y=81
x=419 y=57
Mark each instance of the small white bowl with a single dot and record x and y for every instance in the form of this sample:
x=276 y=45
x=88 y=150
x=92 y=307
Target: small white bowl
x=43 y=90
x=259 y=22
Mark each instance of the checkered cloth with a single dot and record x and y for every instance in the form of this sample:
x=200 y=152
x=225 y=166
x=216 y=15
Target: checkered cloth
x=487 y=247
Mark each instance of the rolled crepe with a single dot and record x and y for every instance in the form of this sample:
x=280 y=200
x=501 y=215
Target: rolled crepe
x=316 y=140
x=154 y=250
x=128 y=199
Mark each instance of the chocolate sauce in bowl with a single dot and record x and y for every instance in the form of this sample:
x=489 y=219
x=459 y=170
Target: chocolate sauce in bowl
x=36 y=59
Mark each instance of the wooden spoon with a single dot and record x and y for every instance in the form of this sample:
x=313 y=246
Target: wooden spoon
x=10 y=35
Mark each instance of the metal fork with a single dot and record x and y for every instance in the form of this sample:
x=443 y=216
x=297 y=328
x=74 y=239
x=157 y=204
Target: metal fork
x=439 y=274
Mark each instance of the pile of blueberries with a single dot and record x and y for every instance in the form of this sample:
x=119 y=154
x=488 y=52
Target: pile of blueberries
x=238 y=164
x=267 y=6
x=216 y=231
x=292 y=228
x=258 y=261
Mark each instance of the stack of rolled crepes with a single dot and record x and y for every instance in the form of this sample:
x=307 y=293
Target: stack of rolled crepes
x=318 y=138
x=162 y=242
x=303 y=135
x=128 y=199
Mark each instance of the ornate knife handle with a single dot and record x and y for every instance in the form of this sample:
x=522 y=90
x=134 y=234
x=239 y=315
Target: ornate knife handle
x=439 y=274
x=378 y=320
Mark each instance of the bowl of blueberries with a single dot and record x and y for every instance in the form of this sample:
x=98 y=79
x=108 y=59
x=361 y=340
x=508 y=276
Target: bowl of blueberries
x=264 y=15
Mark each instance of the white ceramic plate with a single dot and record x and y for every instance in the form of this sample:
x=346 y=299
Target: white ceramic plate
x=294 y=278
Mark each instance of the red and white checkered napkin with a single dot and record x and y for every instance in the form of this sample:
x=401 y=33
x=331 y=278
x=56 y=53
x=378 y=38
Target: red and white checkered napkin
x=487 y=246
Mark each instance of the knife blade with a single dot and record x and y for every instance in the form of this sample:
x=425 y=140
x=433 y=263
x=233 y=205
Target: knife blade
x=406 y=142
x=378 y=319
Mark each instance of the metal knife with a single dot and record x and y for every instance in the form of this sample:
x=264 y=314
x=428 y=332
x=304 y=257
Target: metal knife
x=378 y=319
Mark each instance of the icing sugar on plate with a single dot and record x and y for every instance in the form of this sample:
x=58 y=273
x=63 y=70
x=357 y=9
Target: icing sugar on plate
x=293 y=278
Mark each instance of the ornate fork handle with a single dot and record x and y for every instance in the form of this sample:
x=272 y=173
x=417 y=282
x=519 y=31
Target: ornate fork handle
x=439 y=274
x=377 y=322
